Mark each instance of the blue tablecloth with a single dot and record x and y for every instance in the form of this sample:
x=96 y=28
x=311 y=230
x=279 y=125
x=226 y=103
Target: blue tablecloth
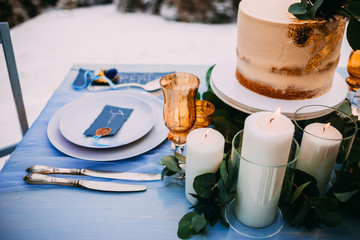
x=35 y=147
x=55 y=212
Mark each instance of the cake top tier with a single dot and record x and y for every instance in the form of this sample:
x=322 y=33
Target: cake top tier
x=268 y=10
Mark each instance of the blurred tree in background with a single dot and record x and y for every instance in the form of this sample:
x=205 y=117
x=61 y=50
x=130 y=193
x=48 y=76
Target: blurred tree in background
x=18 y=11
x=205 y=11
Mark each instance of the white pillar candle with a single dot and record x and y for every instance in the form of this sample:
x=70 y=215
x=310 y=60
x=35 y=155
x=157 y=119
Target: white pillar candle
x=267 y=140
x=319 y=148
x=204 y=154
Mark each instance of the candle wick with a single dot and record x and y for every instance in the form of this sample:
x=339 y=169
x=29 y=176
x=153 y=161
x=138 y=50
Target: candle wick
x=205 y=135
x=272 y=119
x=324 y=128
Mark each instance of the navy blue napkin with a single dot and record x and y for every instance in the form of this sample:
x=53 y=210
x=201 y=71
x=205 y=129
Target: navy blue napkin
x=83 y=79
x=140 y=77
x=110 y=117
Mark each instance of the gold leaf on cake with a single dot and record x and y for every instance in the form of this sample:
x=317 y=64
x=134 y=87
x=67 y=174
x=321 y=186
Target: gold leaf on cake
x=324 y=35
x=331 y=41
x=301 y=34
x=318 y=39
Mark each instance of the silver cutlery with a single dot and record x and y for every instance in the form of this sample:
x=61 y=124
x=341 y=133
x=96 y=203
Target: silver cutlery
x=94 y=173
x=149 y=87
x=39 y=179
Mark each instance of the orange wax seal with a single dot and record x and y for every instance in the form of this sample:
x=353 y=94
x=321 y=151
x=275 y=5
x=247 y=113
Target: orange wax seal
x=103 y=131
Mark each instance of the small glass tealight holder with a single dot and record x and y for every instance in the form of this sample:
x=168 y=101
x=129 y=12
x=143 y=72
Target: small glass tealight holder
x=326 y=135
x=204 y=114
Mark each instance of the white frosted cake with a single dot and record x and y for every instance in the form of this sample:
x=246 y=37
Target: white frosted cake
x=282 y=57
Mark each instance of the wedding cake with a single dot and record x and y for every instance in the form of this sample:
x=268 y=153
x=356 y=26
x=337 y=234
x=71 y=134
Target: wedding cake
x=282 y=57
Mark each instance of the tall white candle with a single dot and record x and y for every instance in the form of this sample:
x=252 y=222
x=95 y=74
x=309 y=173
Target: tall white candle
x=204 y=153
x=266 y=144
x=319 y=148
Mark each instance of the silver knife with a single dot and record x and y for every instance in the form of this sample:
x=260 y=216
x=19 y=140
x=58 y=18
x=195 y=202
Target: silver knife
x=35 y=178
x=94 y=173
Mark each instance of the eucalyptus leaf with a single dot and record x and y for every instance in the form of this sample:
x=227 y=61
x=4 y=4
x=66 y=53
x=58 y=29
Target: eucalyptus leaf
x=205 y=184
x=344 y=13
x=171 y=163
x=298 y=192
x=233 y=169
x=211 y=97
x=208 y=76
x=346 y=107
x=185 y=227
x=223 y=197
x=301 y=177
x=180 y=157
x=297 y=9
x=315 y=7
x=354 y=9
x=353 y=34
x=303 y=16
x=344 y=197
x=198 y=222
x=301 y=215
x=224 y=173
x=164 y=173
x=330 y=219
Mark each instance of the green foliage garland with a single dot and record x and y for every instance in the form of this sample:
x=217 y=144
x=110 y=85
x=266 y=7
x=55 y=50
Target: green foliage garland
x=300 y=202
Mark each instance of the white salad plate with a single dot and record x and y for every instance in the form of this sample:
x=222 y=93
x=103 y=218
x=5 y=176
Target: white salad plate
x=228 y=89
x=153 y=138
x=81 y=113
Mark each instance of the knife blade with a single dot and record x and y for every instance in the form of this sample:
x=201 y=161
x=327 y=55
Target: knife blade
x=94 y=173
x=36 y=178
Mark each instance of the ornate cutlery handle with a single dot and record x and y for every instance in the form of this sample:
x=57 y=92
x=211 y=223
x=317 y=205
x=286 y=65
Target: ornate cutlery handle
x=52 y=170
x=35 y=178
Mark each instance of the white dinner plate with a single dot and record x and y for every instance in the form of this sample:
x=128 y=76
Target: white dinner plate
x=153 y=138
x=81 y=113
x=228 y=89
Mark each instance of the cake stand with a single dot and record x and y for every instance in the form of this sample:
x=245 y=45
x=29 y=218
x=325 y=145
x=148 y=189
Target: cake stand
x=225 y=85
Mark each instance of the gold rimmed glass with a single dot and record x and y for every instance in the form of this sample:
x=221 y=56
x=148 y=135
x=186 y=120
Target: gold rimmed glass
x=179 y=90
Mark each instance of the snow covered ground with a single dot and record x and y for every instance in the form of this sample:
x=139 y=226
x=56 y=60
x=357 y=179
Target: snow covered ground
x=48 y=45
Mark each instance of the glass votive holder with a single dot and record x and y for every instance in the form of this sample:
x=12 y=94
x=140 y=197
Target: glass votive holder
x=254 y=212
x=326 y=138
x=204 y=114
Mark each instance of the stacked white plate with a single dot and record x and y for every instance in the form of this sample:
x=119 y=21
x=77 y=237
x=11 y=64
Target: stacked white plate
x=228 y=89
x=142 y=131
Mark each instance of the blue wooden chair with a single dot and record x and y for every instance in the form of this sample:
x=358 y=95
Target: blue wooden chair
x=5 y=41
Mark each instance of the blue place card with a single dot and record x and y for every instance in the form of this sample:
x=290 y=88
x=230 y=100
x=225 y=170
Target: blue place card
x=110 y=117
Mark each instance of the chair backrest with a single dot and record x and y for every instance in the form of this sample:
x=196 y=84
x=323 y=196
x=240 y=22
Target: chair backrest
x=5 y=41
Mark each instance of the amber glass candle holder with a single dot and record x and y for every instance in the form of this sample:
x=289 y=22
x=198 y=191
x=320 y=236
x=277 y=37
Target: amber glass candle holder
x=204 y=114
x=353 y=80
x=179 y=90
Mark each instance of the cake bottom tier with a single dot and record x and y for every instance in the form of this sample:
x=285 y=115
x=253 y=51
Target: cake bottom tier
x=290 y=93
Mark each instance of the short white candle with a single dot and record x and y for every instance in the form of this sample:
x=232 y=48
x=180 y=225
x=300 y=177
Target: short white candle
x=266 y=141
x=204 y=154
x=319 y=148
